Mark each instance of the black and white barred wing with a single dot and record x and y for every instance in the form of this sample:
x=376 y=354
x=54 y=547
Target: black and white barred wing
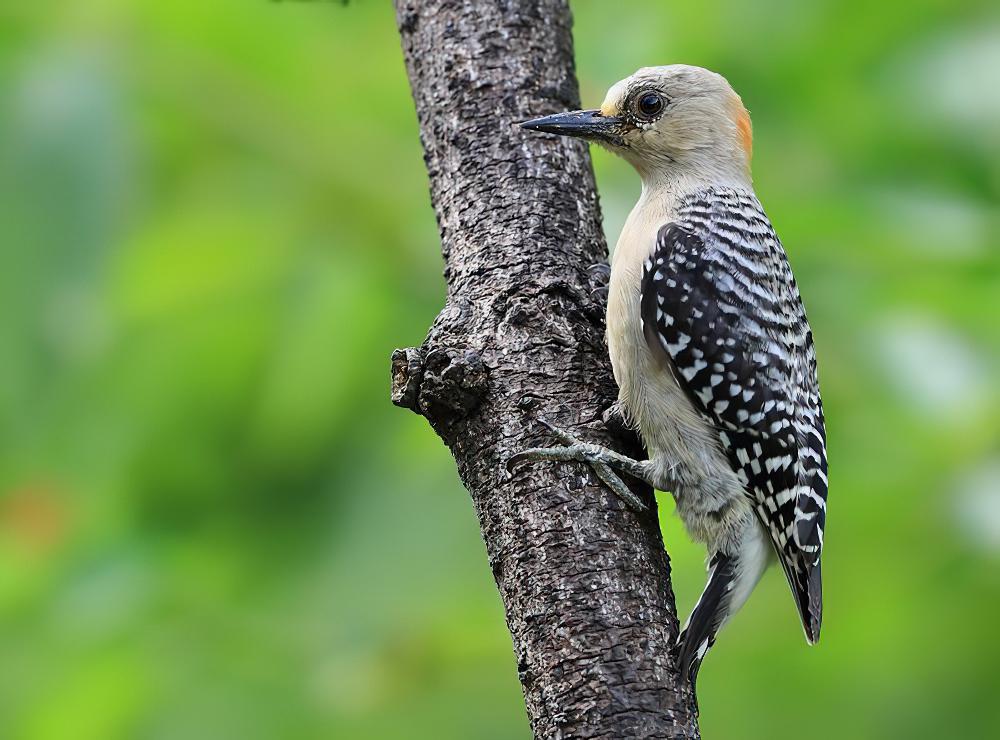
x=719 y=298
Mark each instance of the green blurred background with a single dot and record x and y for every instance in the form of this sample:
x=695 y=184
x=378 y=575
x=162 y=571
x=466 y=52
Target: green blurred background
x=215 y=229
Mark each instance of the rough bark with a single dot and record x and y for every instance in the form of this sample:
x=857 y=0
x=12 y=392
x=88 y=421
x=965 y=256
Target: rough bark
x=585 y=582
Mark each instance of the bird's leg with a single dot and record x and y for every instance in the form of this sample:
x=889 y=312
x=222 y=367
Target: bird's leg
x=601 y=459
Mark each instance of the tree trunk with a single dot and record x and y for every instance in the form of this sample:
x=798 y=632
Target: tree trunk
x=585 y=581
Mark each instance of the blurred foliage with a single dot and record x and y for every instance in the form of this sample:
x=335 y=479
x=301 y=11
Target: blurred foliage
x=216 y=228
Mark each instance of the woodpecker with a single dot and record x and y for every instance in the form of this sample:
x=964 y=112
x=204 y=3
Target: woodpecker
x=710 y=347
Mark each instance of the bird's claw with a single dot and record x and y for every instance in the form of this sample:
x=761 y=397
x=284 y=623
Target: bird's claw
x=561 y=434
x=599 y=274
x=576 y=451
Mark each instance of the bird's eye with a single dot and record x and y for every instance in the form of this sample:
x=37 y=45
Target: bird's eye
x=650 y=104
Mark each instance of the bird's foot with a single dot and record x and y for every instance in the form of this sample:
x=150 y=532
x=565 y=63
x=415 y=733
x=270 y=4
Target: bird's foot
x=598 y=276
x=601 y=459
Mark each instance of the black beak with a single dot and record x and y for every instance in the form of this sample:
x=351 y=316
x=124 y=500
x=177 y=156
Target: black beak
x=583 y=124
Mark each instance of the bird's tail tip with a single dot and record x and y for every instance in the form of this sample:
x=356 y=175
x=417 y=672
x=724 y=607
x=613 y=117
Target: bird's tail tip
x=810 y=598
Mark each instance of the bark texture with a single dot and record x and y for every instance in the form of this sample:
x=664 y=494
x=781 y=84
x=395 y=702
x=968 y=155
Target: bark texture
x=585 y=582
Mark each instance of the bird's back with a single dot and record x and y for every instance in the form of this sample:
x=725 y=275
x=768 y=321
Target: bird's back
x=720 y=305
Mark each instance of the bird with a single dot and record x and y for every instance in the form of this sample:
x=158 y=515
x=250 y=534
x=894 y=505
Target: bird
x=710 y=347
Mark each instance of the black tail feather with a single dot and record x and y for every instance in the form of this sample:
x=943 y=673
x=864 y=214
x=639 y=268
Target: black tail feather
x=706 y=619
x=809 y=597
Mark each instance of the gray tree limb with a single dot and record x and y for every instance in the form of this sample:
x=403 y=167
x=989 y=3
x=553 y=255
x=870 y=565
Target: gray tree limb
x=585 y=582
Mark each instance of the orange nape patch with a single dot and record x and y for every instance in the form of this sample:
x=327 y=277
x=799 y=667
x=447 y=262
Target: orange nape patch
x=744 y=129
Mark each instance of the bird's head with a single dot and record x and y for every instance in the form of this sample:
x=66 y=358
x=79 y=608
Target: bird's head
x=667 y=120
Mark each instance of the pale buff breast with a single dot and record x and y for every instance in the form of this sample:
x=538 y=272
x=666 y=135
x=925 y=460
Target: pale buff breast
x=674 y=433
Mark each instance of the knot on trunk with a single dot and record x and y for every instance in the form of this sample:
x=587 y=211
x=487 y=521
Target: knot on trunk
x=407 y=370
x=444 y=384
